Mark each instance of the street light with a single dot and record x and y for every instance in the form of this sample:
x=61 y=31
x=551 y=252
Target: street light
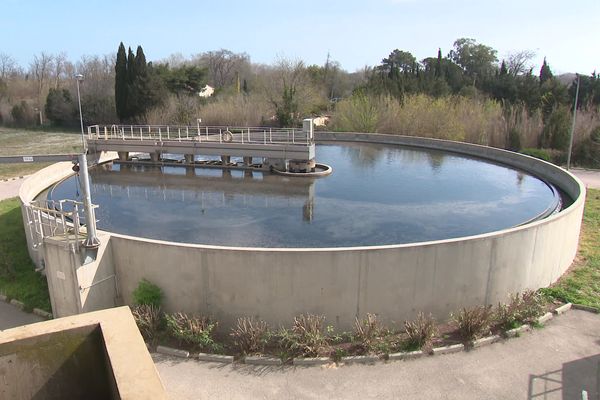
x=573 y=125
x=79 y=78
x=39 y=111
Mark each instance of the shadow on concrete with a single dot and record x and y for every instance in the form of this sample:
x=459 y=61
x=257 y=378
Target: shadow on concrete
x=570 y=382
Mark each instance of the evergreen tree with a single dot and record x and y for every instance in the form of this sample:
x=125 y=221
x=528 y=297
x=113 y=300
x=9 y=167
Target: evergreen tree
x=503 y=69
x=545 y=72
x=60 y=108
x=438 y=64
x=121 y=83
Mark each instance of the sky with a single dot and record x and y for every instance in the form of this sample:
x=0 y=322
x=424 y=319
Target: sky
x=354 y=33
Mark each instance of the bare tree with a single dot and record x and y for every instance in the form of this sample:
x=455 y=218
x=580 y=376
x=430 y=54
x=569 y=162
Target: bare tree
x=224 y=66
x=40 y=68
x=59 y=68
x=517 y=62
x=288 y=88
x=99 y=75
x=7 y=65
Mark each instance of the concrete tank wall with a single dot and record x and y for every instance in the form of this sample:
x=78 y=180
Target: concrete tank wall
x=395 y=281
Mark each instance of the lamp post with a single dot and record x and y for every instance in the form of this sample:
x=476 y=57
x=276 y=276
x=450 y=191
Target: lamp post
x=79 y=78
x=573 y=125
x=39 y=111
x=92 y=240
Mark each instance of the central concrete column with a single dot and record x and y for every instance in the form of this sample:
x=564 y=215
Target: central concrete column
x=123 y=155
x=189 y=158
x=155 y=157
x=225 y=159
x=247 y=161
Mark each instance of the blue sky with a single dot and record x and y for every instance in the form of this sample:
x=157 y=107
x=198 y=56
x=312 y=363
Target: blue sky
x=355 y=33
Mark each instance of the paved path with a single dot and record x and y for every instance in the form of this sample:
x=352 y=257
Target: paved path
x=590 y=177
x=556 y=362
x=10 y=188
x=11 y=316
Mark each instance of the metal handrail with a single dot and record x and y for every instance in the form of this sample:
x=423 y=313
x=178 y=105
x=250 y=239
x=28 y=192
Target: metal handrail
x=48 y=218
x=206 y=133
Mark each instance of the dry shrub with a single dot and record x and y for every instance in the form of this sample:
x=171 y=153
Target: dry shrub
x=420 y=331
x=359 y=113
x=238 y=110
x=250 y=335
x=192 y=330
x=306 y=337
x=367 y=331
x=522 y=308
x=473 y=322
x=453 y=117
x=184 y=110
x=148 y=319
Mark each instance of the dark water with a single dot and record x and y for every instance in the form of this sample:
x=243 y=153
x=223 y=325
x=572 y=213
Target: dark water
x=376 y=195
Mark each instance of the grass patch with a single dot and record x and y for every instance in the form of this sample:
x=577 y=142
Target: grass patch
x=34 y=142
x=18 y=279
x=582 y=284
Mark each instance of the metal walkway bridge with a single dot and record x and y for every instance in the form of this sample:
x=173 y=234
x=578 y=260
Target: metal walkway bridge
x=268 y=143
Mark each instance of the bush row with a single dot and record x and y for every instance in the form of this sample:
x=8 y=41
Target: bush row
x=309 y=336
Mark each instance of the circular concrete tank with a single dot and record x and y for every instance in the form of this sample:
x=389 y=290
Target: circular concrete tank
x=394 y=281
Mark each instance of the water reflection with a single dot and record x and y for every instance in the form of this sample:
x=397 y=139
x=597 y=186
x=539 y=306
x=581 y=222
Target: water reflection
x=376 y=195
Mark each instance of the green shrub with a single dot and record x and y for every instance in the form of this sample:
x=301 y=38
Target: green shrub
x=250 y=335
x=537 y=153
x=514 y=139
x=420 y=331
x=149 y=320
x=595 y=135
x=191 y=330
x=473 y=322
x=147 y=293
x=587 y=154
x=22 y=114
x=557 y=129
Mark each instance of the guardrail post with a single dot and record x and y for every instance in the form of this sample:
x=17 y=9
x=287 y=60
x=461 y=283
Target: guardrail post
x=159 y=134
x=168 y=133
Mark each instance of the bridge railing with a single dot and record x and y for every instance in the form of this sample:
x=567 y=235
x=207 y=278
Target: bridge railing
x=219 y=134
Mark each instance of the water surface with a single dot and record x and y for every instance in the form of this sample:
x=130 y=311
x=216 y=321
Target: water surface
x=376 y=195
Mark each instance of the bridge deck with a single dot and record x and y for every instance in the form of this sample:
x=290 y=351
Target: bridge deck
x=220 y=141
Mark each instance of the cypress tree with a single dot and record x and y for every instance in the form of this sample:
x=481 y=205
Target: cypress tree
x=438 y=64
x=140 y=63
x=503 y=69
x=132 y=98
x=121 y=83
x=545 y=72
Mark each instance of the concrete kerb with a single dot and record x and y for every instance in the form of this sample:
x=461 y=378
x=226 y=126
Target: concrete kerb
x=42 y=313
x=455 y=348
x=545 y=318
x=169 y=351
x=260 y=360
x=21 y=306
x=562 y=309
x=371 y=359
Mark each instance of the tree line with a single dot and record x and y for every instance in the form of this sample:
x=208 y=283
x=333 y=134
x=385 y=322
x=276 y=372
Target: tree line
x=125 y=87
